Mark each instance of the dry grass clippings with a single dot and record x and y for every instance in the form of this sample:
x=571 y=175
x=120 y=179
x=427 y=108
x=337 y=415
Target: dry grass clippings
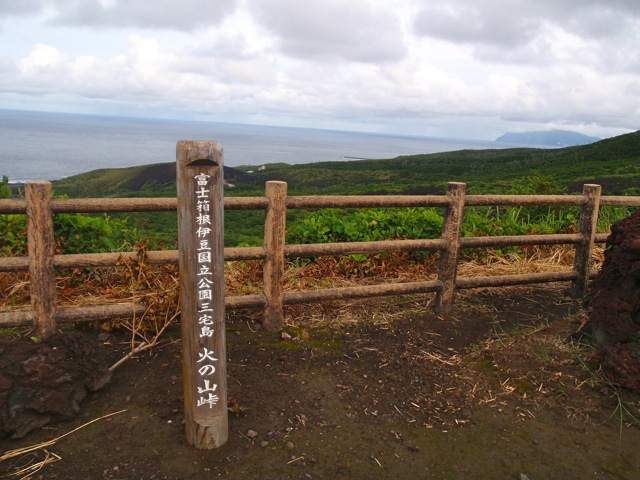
x=30 y=467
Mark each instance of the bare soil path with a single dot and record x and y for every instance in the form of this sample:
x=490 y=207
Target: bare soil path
x=494 y=392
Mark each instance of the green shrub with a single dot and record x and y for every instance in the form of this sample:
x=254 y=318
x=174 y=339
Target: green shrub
x=73 y=233
x=81 y=233
x=479 y=222
x=365 y=225
x=5 y=189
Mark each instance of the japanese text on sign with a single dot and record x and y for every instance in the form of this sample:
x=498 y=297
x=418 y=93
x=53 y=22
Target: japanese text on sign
x=206 y=389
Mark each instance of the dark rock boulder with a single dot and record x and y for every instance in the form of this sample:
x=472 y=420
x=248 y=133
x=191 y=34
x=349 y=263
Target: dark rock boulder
x=45 y=381
x=614 y=309
x=621 y=363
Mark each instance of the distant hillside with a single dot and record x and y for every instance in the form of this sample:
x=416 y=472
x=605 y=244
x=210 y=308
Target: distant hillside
x=130 y=180
x=548 y=138
x=613 y=162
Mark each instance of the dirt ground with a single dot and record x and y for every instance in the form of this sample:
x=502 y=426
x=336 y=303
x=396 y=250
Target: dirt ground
x=496 y=391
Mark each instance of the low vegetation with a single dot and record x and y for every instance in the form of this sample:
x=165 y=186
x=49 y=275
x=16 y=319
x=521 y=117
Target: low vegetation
x=612 y=162
x=527 y=367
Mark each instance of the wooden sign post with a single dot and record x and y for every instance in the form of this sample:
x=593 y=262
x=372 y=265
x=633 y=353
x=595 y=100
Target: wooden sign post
x=201 y=246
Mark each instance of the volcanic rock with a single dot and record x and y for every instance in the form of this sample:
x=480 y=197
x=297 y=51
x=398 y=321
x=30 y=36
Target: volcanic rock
x=614 y=309
x=45 y=381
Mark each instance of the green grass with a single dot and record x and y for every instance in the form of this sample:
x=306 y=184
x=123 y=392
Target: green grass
x=614 y=163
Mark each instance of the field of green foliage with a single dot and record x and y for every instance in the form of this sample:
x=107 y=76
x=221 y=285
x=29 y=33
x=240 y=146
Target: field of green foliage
x=614 y=163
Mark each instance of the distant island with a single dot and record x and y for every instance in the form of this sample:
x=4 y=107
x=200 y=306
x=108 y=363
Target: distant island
x=547 y=138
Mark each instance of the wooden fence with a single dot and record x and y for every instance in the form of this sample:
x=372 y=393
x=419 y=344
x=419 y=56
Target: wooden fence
x=42 y=263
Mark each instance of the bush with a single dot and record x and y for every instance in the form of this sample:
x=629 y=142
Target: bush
x=74 y=233
x=335 y=225
x=479 y=222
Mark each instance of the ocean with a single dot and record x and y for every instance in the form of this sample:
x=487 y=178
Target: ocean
x=50 y=146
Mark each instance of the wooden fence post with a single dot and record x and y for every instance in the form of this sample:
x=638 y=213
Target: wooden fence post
x=201 y=259
x=274 y=241
x=587 y=228
x=41 y=245
x=448 y=263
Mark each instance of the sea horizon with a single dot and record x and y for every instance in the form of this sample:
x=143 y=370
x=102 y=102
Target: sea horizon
x=51 y=145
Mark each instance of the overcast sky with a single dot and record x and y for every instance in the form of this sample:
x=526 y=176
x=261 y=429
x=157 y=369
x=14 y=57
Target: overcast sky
x=454 y=68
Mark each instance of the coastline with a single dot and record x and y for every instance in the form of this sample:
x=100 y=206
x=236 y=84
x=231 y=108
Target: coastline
x=62 y=145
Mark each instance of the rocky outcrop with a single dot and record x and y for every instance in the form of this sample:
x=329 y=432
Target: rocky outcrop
x=614 y=309
x=45 y=381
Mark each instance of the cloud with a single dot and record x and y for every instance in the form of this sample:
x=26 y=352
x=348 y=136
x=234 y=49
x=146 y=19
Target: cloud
x=145 y=75
x=523 y=31
x=412 y=66
x=227 y=58
x=330 y=30
x=477 y=23
x=226 y=78
x=185 y=15
x=22 y=7
x=43 y=58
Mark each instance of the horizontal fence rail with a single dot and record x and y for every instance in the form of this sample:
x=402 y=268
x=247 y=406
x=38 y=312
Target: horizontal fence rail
x=108 y=205
x=275 y=204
